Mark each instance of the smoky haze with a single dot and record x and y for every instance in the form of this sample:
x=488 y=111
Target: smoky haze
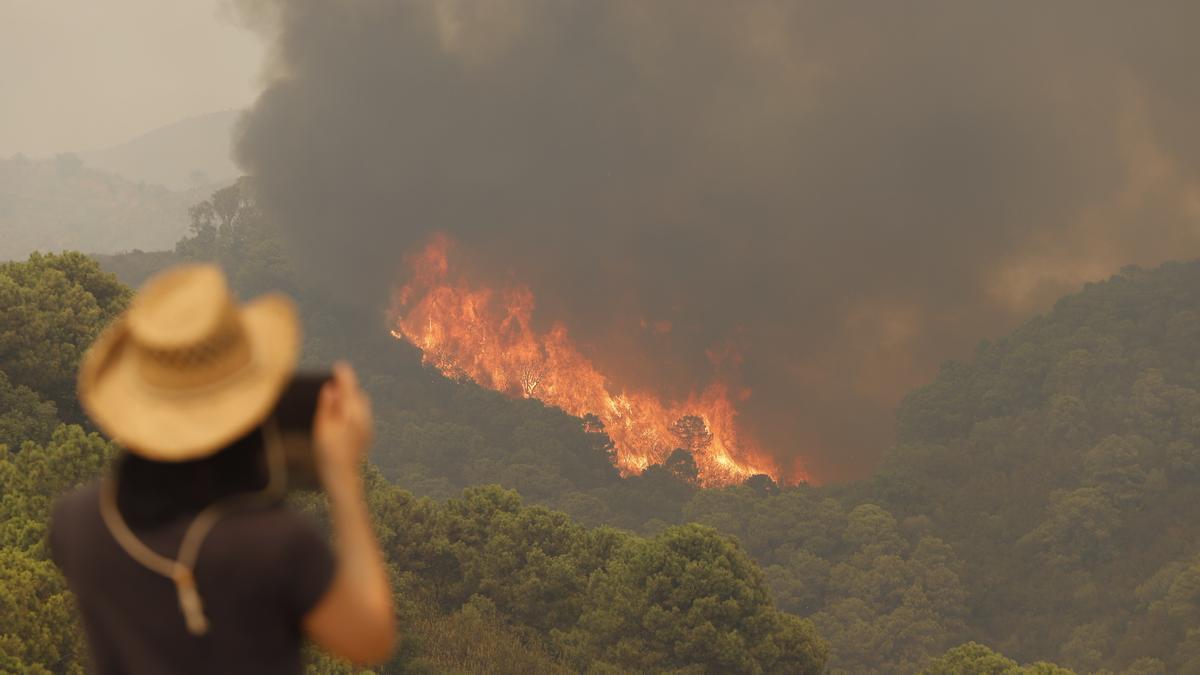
x=845 y=193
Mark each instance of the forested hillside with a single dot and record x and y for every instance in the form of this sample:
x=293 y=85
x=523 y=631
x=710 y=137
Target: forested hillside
x=1063 y=464
x=482 y=581
x=1037 y=500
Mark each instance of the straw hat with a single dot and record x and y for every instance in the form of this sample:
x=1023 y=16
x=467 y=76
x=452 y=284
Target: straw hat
x=186 y=370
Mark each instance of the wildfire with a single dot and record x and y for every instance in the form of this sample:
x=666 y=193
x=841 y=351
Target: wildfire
x=486 y=335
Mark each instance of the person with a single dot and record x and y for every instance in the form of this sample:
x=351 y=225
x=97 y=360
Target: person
x=184 y=559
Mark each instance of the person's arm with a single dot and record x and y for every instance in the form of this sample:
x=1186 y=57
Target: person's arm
x=354 y=619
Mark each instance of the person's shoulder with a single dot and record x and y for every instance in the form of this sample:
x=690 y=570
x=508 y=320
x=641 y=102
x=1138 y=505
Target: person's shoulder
x=276 y=542
x=282 y=516
x=73 y=504
x=74 y=515
x=280 y=526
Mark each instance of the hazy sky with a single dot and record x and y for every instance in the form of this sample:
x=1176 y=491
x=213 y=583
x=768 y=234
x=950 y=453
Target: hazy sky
x=83 y=74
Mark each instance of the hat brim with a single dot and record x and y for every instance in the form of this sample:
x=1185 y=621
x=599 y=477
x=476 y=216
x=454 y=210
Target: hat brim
x=181 y=426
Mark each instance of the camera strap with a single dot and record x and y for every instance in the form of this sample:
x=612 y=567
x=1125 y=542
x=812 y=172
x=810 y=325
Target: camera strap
x=181 y=569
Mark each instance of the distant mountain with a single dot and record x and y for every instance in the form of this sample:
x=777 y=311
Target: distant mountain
x=179 y=156
x=52 y=205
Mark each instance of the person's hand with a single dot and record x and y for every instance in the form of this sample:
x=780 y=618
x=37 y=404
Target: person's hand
x=342 y=429
x=355 y=618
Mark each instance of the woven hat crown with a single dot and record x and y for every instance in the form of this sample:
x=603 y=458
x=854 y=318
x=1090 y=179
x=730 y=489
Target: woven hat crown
x=186 y=331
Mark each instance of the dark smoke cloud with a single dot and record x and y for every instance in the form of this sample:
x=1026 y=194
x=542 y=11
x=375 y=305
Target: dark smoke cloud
x=849 y=193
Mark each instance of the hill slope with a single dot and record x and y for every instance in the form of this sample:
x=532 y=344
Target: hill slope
x=1039 y=499
x=1063 y=464
x=52 y=205
x=179 y=156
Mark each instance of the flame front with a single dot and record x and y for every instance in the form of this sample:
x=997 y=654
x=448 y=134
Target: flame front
x=486 y=335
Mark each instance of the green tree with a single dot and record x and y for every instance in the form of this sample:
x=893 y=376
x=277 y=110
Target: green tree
x=1078 y=529
x=30 y=480
x=1115 y=466
x=51 y=308
x=689 y=598
x=38 y=633
x=24 y=416
x=230 y=229
x=976 y=659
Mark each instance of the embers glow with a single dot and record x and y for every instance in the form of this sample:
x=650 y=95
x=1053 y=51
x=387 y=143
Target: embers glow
x=486 y=335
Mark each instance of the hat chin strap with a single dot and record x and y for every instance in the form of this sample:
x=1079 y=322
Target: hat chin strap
x=181 y=570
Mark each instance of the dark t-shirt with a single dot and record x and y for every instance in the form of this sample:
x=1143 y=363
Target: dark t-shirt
x=258 y=573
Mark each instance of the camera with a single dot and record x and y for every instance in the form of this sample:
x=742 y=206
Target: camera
x=293 y=420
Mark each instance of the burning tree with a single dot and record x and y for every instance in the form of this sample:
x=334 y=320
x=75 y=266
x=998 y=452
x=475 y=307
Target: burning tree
x=693 y=434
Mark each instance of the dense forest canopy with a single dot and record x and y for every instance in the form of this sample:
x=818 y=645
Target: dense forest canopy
x=1037 y=501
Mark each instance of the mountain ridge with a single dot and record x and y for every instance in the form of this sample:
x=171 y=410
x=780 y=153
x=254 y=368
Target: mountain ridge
x=180 y=155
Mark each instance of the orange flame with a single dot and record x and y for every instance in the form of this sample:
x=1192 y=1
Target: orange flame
x=486 y=335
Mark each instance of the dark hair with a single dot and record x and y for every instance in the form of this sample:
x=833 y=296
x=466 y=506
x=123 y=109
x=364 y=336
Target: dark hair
x=152 y=493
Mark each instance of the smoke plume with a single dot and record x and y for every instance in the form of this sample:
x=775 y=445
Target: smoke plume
x=843 y=194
